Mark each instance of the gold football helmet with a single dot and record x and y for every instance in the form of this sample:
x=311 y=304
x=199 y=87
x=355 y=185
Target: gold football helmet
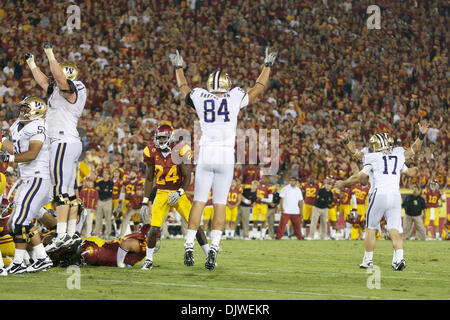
x=378 y=142
x=389 y=139
x=219 y=82
x=32 y=108
x=70 y=70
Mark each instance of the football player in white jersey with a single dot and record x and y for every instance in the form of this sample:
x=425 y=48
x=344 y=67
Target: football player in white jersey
x=29 y=149
x=217 y=109
x=66 y=100
x=383 y=165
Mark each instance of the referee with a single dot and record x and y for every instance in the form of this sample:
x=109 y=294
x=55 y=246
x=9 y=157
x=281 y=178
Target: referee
x=104 y=187
x=414 y=206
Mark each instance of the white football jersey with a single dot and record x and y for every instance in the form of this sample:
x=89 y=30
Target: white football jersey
x=384 y=169
x=21 y=134
x=63 y=116
x=218 y=115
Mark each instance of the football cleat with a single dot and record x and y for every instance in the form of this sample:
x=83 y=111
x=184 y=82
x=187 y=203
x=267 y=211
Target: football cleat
x=75 y=239
x=40 y=264
x=366 y=265
x=210 y=263
x=189 y=255
x=3 y=272
x=16 y=268
x=399 y=266
x=147 y=265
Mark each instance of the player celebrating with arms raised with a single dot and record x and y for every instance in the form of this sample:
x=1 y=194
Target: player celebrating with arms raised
x=383 y=167
x=66 y=100
x=217 y=109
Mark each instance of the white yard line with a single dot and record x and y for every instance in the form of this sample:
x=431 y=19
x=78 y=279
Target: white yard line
x=241 y=289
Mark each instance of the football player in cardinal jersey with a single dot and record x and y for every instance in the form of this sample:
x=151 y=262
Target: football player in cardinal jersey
x=66 y=100
x=383 y=166
x=310 y=191
x=432 y=196
x=218 y=109
x=170 y=166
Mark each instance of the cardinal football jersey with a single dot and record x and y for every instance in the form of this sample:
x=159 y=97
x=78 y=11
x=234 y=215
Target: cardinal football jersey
x=63 y=116
x=384 y=169
x=21 y=134
x=218 y=115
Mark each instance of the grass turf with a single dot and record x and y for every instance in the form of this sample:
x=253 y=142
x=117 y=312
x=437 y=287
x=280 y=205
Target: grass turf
x=254 y=270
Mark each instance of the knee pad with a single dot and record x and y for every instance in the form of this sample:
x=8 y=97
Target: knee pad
x=27 y=232
x=62 y=199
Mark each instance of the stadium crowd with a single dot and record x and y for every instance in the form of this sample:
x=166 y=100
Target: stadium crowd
x=332 y=75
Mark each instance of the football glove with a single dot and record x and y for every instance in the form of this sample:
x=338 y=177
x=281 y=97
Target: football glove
x=144 y=212
x=48 y=48
x=6 y=157
x=177 y=60
x=175 y=196
x=270 y=58
x=29 y=58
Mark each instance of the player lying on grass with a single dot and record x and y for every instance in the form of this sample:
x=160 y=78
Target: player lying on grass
x=121 y=252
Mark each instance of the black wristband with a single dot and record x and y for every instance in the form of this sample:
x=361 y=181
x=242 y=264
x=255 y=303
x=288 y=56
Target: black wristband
x=178 y=67
x=421 y=136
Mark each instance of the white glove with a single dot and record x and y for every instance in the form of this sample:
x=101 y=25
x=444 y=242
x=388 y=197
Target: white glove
x=270 y=58
x=144 y=212
x=177 y=60
x=175 y=196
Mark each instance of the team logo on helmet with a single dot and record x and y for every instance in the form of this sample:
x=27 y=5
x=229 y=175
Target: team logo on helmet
x=32 y=108
x=70 y=70
x=219 y=82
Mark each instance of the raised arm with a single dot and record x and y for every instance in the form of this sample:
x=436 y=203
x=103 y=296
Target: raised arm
x=417 y=145
x=263 y=79
x=38 y=75
x=177 y=62
x=350 y=146
x=63 y=84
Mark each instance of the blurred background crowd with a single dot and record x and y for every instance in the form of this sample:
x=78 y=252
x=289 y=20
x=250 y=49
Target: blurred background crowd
x=332 y=74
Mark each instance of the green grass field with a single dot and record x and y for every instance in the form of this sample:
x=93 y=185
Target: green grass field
x=254 y=270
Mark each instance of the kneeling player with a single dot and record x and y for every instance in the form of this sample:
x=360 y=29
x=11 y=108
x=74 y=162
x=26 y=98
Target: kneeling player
x=172 y=178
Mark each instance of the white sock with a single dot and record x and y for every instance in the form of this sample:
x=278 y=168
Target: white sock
x=40 y=251
x=121 y=253
x=61 y=229
x=71 y=227
x=19 y=255
x=1 y=261
x=215 y=237
x=149 y=253
x=304 y=231
x=227 y=232
x=332 y=232
x=254 y=232
x=368 y=256
x=232 y=233
x=263 y=232
x=398 y=255
x=205 y=249
x=190 y=236
x=26 y=257
x=436 y=235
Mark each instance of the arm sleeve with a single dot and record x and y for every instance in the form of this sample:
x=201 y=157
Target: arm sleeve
x=189 y=101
